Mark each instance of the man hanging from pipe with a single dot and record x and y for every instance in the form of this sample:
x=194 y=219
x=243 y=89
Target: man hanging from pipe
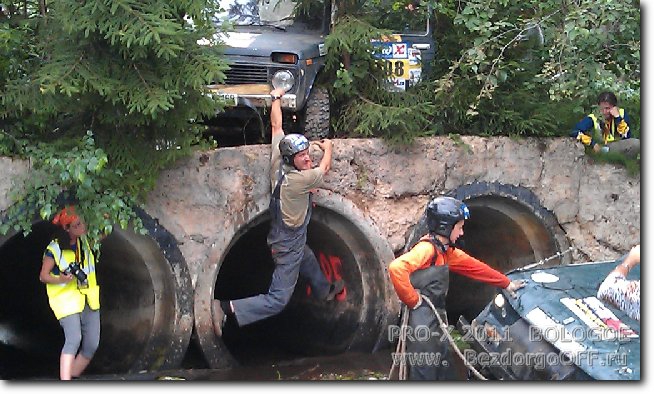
x=292 y=179
x=423 y=271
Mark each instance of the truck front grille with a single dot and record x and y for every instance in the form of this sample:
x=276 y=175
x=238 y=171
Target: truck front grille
x=242 y=74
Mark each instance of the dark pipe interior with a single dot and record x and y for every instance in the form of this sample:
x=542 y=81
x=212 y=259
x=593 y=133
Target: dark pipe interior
x=307 y=326
x=242 y=126
x=500 y=232
x=32 y=337
x=503 y=234
x=127 y=299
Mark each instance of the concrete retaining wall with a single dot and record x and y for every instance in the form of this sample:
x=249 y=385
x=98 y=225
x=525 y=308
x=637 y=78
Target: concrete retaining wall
x=597 y=205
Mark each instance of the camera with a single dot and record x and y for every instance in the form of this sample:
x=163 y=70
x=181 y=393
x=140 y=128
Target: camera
x=76 y=270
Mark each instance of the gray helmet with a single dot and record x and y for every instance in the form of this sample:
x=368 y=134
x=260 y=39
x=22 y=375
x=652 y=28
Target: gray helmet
x=291 y=145
x=443 y=213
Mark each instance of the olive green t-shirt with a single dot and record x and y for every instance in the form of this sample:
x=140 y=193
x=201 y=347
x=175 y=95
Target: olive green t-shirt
x=296 y=186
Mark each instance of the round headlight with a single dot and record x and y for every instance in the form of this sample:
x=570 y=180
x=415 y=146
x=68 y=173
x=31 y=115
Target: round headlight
x=283 y=79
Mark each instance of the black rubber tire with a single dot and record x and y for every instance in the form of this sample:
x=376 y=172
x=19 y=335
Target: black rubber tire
x=518 y=216
x=316 y=114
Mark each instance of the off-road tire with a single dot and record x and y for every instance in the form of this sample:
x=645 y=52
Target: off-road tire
x=316 y=114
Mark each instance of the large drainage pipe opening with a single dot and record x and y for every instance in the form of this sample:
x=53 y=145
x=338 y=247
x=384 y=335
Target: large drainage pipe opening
x=355 y=321
x=307 y=326
x=507 y=229
x=146 y=305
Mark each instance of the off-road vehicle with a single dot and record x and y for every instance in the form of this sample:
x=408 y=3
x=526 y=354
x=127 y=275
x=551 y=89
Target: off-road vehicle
x=270 y=44
x=556 y=328
x=276 y=43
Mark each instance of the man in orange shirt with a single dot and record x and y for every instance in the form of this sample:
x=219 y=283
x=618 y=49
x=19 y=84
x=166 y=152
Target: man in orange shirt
x=424 y=271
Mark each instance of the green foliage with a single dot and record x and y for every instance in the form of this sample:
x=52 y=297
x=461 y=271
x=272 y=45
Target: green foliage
x=632 y=106
x=516 y=109
x=350 y=56
x=122 y=82
x=459 y=340
x=632 y=165
x=131 y=72
x=71 y=172
x=394 y=15
x=516 y=68
x=358 y=84
x=580 y=48
x=456 y=138
x=398 y=118
x=595 y=47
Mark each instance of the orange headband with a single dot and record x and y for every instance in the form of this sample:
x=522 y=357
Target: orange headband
x=65 y=217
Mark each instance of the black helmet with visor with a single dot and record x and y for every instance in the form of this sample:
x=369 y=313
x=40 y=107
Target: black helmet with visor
x=443 y=213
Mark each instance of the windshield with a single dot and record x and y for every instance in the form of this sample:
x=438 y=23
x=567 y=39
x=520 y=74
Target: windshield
x=278 y=13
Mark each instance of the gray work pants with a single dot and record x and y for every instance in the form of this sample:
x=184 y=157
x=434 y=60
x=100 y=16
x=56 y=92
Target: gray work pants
x=284 y=278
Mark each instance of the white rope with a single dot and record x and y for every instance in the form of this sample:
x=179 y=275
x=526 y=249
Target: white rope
x=400 y=349
x=543 y=261
x=451 y=340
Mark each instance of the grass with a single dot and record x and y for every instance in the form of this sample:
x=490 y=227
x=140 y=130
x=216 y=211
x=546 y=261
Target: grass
x=632 y=165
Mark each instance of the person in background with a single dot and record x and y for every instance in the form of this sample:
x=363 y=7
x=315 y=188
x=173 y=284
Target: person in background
x=68 y=271
x=621 y=292
x=611 y=133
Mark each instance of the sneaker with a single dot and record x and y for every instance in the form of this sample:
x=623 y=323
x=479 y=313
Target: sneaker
x=218 y=316
x=336 y=288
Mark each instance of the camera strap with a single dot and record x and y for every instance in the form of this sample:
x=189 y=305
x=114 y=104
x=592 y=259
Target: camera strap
x=78 y=252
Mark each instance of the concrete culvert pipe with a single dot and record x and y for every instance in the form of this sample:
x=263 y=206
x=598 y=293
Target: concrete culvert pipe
x=347 y=246
x=508 y=228
x=146 y=305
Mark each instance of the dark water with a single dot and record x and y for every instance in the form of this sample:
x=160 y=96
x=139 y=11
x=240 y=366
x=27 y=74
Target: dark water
x=346 y=366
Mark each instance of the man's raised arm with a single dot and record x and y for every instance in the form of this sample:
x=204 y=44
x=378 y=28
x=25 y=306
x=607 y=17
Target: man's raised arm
x=276 y=112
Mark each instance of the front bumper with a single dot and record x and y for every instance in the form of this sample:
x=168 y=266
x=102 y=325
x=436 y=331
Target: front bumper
x=253 y=96
x=504 y=350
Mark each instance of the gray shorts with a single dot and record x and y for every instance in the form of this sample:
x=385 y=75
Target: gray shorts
x=82 y=332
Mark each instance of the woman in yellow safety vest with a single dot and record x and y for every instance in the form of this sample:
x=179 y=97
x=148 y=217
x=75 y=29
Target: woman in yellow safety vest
x=68 y=271
x=596 y=133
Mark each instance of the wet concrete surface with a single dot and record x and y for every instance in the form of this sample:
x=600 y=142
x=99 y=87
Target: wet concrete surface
x=346 y=366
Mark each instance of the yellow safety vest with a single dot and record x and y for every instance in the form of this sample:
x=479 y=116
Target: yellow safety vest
x=609 y=137
x=67 y=298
